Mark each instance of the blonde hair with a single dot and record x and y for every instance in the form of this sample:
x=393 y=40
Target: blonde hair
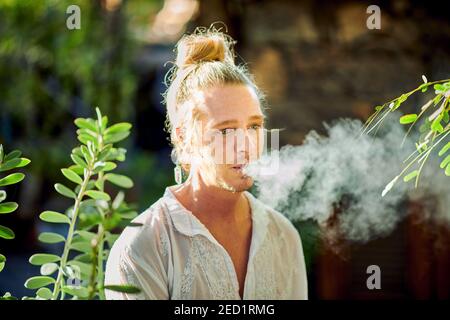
x=204 y=59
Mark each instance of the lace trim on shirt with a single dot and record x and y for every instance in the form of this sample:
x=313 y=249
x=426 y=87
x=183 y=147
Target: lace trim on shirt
x=205 y=254
x=268 y=280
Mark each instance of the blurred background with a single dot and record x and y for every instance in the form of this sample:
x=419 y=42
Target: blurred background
x=315 y=60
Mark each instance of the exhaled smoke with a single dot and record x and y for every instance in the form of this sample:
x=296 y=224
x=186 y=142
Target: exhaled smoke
x=346 y=173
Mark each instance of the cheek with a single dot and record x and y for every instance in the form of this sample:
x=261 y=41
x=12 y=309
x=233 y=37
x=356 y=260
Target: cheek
x=222 y=149
x=256 y=141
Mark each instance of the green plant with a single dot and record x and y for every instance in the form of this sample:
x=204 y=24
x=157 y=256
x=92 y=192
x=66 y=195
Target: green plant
x=91 y=218
x=9 y=162
x=434 y=129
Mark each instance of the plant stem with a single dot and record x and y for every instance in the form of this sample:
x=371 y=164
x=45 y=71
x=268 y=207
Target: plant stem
x=76 y=208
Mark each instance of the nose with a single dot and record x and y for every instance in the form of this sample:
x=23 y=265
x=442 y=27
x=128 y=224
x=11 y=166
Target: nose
x=243 y=146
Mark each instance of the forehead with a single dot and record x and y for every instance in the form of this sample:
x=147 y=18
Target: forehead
x=230 y=102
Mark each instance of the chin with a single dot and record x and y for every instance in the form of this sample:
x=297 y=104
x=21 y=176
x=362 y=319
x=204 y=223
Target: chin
x=240 y=184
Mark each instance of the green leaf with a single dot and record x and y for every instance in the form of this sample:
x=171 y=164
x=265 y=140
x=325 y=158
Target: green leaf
x=48 y=268
x=98 y=195
x=123 y=288
x=436 y=124
x=447 y=170
x=78 y=291
x=77 y=169
x=12 y=155
x=82 y=246
x=23 y=162
x=408 y=118
x=54 y=217
x=44 y=293
x=444 y=149
x=118 y=127
x=6 y=233
x=12 y=179
x=118 y=200
x=116 y=137
x=85 y=124
x=77 y=160
x=2 y=262
x=85 y=268
x=109 y=166
x=72 y=176
x=445 y=162
x=85 y=138
x=41 y=258
x=63 y=190
x=119 y=180
x=86 y=154
x=86 y=234
x=50 y=237
x=8 y=207
x=410 y=175
x=2 y=195
x=38 y=281
x=11 y=164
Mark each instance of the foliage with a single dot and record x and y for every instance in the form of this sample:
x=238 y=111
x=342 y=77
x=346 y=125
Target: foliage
x=92 y=218
x=434 y=128
x=9 y=162
x=50 y=74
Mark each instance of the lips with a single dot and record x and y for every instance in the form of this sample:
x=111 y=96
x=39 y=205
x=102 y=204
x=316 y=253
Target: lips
x=239 y=167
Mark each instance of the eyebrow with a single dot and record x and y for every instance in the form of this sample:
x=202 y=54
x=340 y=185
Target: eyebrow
x=233 y=122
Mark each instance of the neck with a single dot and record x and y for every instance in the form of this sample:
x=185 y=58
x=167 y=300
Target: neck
x=212 y=203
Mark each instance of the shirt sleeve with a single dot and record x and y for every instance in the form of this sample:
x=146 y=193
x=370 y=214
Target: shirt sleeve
x=150 y=278
x=139 y=259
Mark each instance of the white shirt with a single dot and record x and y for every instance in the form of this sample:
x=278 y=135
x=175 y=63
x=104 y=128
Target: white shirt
x=174 y=256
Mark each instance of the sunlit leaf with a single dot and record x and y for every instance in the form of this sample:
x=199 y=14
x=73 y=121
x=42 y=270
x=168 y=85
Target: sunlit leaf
x=41 y=258
x=54 y=217
x=86 y=124
x=44 y=293
x=50 y=237
x=12 y=179
x=98 y=195
x=48 y=268
x=38 y=281
x=119 y=180
x=6 y=233
x=411 y=175
x=444 y=149
x=72 y=176
x=7 y=207
x=408 y=118
x=78 y=291
x=11 y=164
x=63 y=190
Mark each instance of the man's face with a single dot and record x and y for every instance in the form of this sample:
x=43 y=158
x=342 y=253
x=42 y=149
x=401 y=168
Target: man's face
x=232 y=128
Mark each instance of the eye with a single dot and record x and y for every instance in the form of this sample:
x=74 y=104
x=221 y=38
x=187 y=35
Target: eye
x=255 y=126
x=226 y=131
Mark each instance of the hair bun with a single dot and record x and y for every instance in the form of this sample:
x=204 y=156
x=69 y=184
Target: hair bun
x=210 y=46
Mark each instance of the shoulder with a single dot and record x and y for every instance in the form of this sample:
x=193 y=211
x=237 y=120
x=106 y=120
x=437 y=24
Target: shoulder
x=145 y=233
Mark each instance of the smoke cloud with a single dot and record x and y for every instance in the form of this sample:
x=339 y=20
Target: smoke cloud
x=347 y=172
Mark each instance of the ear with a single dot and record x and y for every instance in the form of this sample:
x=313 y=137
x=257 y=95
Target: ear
x=179 y=133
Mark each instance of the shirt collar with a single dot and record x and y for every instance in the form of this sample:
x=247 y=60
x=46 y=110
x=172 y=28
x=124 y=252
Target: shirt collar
x=188 y=224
